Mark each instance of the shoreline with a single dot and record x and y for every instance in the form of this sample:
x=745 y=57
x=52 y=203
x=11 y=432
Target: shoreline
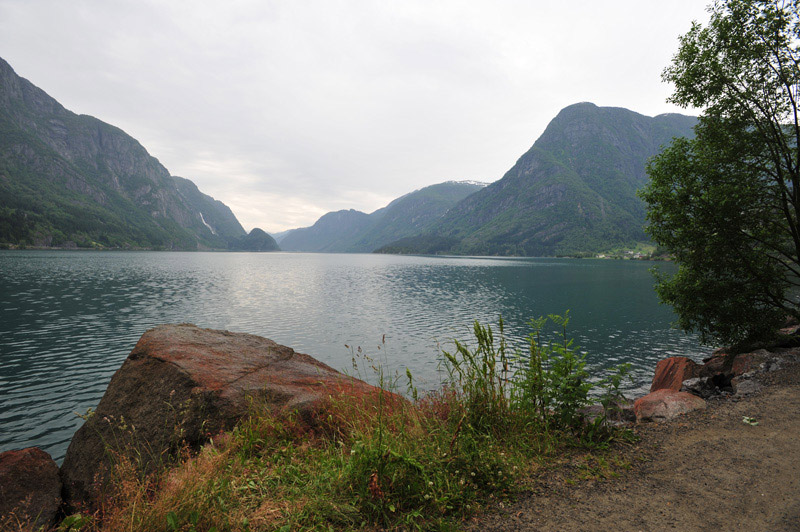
x=730 y=466
x=585 y=479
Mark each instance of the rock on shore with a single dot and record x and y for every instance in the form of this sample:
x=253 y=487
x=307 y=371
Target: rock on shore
x=680 y=385
x=30 y=488
x=671 y=372
x=182 y=384
x=665 y=404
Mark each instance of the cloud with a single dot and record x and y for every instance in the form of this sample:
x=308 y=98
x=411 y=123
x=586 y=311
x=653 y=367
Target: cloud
x=286 y=110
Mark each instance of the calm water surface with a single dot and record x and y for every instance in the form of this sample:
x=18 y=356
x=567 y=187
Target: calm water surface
x=69 y=319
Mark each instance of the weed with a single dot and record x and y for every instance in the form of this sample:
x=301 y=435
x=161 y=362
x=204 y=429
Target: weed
x=377 y=460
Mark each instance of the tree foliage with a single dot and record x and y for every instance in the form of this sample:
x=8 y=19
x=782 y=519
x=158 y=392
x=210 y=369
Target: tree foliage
x=726 y=204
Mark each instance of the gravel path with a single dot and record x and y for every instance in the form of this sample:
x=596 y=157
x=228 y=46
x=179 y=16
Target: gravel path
x=707 y=470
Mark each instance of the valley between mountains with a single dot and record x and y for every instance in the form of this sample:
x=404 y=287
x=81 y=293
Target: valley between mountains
x=73 y=181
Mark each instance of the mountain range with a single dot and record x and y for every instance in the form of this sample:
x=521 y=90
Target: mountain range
x=351 y=231
x=572 y=192
x=69 y=180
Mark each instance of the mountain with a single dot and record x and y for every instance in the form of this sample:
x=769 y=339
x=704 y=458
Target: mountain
x=573 y=191
x=214 y=215
x=357 y=232
x=73 y=180
x=333 y=232
x=280 y=235
x=257 y=240
x=413 y=213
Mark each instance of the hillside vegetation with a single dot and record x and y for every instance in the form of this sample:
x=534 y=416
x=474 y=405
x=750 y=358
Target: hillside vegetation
x=351 y=231
x=574 y=191
x=72 y=180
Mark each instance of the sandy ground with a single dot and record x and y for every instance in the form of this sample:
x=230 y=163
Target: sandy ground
x=707 y=470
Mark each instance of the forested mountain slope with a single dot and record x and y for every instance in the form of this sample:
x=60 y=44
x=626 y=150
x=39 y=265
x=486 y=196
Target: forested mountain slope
x=68 y=179
x=354 y=231
x=573 y=191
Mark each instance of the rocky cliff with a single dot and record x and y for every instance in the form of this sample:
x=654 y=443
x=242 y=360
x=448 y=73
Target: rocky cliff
x=68 y=179
x=573 y=191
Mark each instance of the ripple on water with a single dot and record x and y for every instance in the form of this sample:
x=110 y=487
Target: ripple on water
x=68 y=320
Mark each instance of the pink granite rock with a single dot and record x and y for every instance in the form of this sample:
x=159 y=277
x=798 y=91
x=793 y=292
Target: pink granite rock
x=671 y=372
x=180 y=385
x=663 y=405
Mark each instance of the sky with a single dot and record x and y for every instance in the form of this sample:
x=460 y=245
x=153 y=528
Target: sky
x=286 y=110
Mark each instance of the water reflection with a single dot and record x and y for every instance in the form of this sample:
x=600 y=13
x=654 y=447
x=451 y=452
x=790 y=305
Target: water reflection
x=68 y=319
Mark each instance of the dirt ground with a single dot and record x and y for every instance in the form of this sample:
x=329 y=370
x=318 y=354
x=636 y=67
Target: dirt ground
x=707 y=470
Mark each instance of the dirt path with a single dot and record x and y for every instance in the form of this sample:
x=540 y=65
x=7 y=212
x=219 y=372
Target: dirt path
x=707 y=470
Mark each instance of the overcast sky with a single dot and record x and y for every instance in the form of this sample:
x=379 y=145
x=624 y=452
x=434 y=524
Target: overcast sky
x=287 y=110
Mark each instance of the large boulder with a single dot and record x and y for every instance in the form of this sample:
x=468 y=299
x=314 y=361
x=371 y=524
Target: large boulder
x=671 y=372
x=30 y=489
x=663 y=405
x=182 y=384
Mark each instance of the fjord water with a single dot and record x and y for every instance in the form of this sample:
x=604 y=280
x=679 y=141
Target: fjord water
x=69 y=319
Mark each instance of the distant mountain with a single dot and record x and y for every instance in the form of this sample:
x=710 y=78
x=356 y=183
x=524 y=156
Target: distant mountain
x=257 y=240
x=413 y=213
x=573 y=191
x=333 y=232
x=73 y=180
x=280 y=235
x=357 y=232
x=214 y=215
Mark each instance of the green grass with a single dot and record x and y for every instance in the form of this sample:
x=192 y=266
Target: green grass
x=380 y=461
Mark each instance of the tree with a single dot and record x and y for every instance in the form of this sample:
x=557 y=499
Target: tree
x=726 y=203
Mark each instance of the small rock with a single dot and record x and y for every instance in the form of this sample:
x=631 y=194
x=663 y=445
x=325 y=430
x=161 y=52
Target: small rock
x=774 y=364
x=663 y=405
x=618 y=413
x=30 y=488
x=671 y=372
x=700 y=386
x=747 y=387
